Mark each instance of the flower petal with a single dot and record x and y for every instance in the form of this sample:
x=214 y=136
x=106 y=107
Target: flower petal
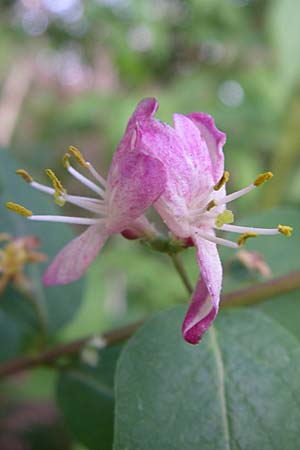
x=196 y=153
x=161 y=141
x=144 y=110
x=215 y=141
x=74 y=259
x=206 y=297
x=135 y=182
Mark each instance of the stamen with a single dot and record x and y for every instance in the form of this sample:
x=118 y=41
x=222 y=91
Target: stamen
x=85 y=181
x=59 y=190
x=285 y=230
x=90 y=204
x=66 y=160
x=25 y=175
x=66 y=219
x=96 y=175
x=211 y=205
x=262 y=178
x=244 y=237
x=78 y=156
x=87 y=165
x=222 y=181
x=240 y=229
x=215 y=239
x=224 y=218
x=19 y=209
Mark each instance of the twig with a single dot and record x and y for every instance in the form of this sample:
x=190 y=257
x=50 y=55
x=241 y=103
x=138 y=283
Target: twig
x=247 y=296
x=262 y=291
x=47 y=357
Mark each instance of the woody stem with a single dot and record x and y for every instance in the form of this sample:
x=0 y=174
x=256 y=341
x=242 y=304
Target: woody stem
x=246 y=296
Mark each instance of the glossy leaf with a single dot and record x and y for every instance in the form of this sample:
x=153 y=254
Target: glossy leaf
x=239 y=389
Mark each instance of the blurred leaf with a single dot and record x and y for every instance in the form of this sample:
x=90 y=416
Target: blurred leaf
x=237 y=389
x=283 y=18
x=21 y=320
x=86 y=398
x=287 y=153
x=58 y=303
x=10 y=333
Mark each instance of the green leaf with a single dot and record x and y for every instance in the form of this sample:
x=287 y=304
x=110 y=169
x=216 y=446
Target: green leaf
x=10 y=334
x=86 y=398
x=283 y=18
x=239 y=389
x=58 y=303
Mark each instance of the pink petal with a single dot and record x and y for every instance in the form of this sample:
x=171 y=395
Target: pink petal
x=197 y=154
x=135 y=182
x=161 y=141
x=215 y=141
x=144 y=110
x=74 y=259
x=206 y=297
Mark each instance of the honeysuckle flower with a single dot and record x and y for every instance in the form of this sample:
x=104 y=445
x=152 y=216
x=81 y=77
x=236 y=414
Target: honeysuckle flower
x=15 y=254
x=135 y=180
x=194 y=201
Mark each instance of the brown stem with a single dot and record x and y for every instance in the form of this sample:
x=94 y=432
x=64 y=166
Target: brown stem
x=261 y=291
x=48 y=357
x=250 y=295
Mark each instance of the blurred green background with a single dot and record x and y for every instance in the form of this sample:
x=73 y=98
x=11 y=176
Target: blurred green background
x=71 y=72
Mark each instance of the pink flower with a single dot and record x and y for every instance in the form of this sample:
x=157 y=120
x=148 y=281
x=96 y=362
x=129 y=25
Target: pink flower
x=193 y=204
x=135 y=181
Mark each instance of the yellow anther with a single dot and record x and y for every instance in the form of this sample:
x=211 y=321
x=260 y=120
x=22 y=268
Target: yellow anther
x=66 y=160
x=211 y=205
x=60 y=191
x=223 y=218
x=285 y=230
x=25 y=175
x=262 y=178
x=78 y=155
x=222 y=181
x=245 y=236
x=19 y=209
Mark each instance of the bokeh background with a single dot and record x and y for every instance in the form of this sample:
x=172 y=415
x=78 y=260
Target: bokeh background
x=71 y=72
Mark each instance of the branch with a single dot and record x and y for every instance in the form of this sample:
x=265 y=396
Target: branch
x=48 y=357
x=250 y=295
x=262 y=291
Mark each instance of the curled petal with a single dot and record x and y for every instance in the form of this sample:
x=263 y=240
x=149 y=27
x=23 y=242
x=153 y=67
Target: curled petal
x=74 y=259
x=145 y=109
x=206 y=297
x=215 y=141
x=136 y=181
